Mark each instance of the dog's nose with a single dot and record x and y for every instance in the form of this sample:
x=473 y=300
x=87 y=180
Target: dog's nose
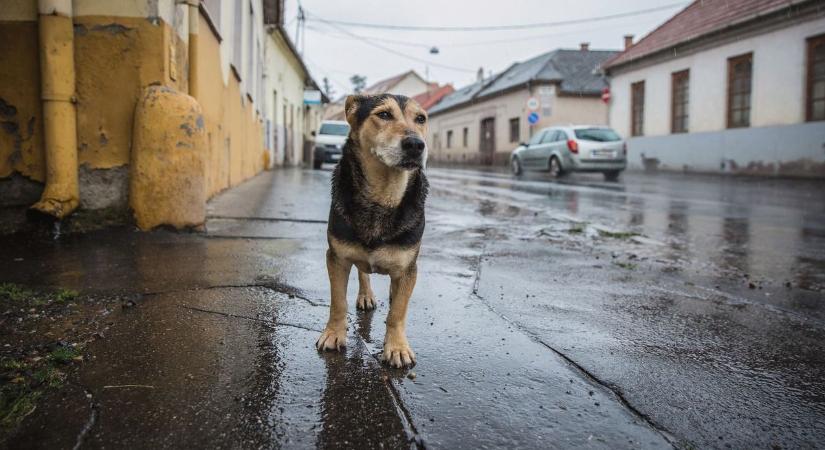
x=413 y=146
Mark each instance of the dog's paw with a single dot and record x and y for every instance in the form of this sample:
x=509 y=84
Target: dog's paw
x=365 y=301
x=397 y=353
x=332 y=339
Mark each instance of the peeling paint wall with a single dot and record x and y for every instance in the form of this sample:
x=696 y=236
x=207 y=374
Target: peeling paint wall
x=121 y=47
x=233 y=129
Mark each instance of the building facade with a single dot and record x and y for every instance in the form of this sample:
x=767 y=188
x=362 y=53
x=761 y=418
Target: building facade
x=726 y=87
x=289 y=120
x=79 y=79
x=483 y=122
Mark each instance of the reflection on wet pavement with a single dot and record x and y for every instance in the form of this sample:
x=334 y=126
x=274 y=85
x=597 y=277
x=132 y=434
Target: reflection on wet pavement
x=660 y=311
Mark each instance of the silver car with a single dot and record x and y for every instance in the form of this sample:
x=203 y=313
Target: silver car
x=575 y=148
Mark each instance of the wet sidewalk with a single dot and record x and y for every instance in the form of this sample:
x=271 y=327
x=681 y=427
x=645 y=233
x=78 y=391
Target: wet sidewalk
x=532 y=329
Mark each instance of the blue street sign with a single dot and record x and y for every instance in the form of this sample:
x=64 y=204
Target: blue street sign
x=533 y=118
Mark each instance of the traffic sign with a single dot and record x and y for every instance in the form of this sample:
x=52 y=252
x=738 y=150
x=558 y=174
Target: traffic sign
x=533 y=104
x=533 y=118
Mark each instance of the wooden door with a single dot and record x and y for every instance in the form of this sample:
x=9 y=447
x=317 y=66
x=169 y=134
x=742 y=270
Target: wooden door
x=488 y=141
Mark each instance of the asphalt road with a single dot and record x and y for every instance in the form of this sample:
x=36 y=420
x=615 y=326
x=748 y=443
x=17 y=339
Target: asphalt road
x=660 y=311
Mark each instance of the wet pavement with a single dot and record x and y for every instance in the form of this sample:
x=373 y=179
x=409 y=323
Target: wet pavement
x=660 y=311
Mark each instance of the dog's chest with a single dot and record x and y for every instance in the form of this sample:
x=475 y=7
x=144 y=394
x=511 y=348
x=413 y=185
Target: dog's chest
x=384 y=260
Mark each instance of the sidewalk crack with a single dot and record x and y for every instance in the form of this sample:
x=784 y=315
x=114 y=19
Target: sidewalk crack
x=612 y=388
x=268 y=323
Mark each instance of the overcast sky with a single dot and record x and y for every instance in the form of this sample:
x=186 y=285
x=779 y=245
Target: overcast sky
x=335 y=51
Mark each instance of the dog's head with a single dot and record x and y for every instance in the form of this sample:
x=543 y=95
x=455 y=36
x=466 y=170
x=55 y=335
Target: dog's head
x=389 y=127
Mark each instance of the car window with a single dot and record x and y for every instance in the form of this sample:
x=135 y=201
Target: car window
x=597 y=134
x=550 y=136
x=561 y=135
x=537 y=137
x=335 y=129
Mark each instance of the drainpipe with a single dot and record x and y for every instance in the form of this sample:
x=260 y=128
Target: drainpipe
x=194 y=16
x=57 y=90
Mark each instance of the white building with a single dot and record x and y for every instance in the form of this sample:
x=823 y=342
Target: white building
x=726 y=86
x=289 y=121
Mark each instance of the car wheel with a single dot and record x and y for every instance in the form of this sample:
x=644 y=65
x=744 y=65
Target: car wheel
x=555 y=168
x=515 y=166
x=316 y=164
x=612 y=175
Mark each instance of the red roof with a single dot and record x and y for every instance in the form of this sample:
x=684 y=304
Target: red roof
x=430 y=98
x=700 y=18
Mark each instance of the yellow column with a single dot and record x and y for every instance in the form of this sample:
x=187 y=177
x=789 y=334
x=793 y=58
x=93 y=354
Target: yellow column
x=61 y=195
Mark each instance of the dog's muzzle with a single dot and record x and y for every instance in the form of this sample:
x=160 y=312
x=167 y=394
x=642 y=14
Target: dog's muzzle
x=413 y=151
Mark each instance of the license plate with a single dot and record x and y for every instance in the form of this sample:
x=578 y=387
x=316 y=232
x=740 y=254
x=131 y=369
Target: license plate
x=604 y=153
x=336 y=156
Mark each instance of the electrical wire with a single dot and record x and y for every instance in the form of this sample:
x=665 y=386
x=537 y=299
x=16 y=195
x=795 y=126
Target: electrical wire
x=311 y=16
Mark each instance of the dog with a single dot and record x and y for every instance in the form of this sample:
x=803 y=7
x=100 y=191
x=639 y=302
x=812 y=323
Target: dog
x=376 y=218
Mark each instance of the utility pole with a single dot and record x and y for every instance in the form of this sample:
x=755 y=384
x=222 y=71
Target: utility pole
x=299 y=29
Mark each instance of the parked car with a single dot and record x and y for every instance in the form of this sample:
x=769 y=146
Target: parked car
x=575 y=148
x=329 y=141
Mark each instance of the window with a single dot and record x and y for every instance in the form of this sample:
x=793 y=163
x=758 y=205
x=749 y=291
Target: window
x=550 y=136
x=815 y=101
x=237 y=38
x=514 y=129
x=213 y=14
x=538 y=137
x=449 y=138
x=464 y=136
x=637 y=108
x=250 y=53
x=679 y=93
x=597 y=135
x=739 y=91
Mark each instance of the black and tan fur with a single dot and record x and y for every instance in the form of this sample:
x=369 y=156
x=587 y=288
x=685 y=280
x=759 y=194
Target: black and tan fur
x=376 y=219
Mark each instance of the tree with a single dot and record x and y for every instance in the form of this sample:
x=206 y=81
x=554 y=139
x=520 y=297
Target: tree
x=359 y=82
x=328 y=90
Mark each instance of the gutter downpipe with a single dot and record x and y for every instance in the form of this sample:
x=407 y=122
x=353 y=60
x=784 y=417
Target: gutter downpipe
x=57 y=91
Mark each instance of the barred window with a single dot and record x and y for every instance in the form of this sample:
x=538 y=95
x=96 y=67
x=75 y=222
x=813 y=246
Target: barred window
x=637 y=108
x=740 y=69
x=680 y=90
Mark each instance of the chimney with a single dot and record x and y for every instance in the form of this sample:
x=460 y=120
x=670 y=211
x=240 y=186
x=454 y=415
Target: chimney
x=584 y=46
x=628 y=41
x=480 y=74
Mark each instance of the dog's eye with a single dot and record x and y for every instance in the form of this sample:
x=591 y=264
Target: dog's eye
x=385 y=115
x=420 y=118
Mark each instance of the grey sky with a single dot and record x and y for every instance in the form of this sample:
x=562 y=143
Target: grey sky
x=333 y=53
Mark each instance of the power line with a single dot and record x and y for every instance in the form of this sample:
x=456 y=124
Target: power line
x=494 y=27
x=466 y=44
x=394 y=52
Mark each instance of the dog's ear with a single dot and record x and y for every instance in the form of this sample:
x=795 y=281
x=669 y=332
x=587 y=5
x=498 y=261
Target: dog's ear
x=351 y=109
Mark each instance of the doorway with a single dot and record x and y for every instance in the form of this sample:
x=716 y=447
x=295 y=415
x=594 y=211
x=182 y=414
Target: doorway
x=487 y=141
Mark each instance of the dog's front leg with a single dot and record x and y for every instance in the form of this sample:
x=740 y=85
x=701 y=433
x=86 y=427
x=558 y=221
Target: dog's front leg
x=397 y=351
x=335 y=334
x=366 y=299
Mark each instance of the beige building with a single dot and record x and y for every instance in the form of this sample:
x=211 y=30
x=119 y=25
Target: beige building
x=483 y=122
x=408 y=83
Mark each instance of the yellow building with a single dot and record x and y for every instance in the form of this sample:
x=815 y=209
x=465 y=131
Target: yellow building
x=119 y=104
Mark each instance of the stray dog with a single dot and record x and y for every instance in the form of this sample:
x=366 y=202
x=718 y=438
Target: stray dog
x=377 y=215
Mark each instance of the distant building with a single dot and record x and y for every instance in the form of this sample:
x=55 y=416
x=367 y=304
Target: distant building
x=726 y=86
x=289 y=122
x=433 y=95
x=409 y=83
x=483 y=122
